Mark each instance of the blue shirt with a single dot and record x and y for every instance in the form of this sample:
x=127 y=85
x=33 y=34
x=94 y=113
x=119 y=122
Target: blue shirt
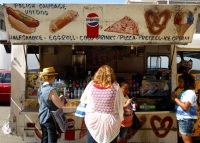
x=45 y=105
x=191 y=113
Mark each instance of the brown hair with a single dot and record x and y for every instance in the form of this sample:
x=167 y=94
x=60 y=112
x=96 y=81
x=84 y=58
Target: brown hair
x=189 y=81
x=105 y=77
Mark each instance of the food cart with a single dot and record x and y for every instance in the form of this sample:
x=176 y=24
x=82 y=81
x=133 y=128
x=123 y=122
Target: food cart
x=77 y=38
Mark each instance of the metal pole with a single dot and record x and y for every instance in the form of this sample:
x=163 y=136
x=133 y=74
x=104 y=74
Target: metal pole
x=167 y=1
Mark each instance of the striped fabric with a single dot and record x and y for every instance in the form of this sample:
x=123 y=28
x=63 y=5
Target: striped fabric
x=61 y=120
x=80 y=111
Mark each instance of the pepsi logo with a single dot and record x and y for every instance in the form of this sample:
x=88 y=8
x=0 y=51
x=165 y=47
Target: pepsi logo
x=92 y=19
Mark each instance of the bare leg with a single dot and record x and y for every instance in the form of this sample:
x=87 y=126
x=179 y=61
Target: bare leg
x=187 y=139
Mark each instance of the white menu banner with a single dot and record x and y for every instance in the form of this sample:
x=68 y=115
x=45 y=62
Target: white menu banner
x=100 y=24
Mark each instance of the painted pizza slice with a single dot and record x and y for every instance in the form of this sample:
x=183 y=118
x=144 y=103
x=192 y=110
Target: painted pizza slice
x=126 y=25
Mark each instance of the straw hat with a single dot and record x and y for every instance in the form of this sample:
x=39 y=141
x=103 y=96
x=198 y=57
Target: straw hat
x=48 y=71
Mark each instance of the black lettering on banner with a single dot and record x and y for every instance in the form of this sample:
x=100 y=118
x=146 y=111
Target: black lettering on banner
x=180 y=38
x=18 y=5
x=81 y=38
x=30 y=5
x=41 y=12
x=167 y=38
x=24 y=37
x=53 y=6
x=150 y=38
x=38 y=12
x=63 y=37
x=30 y=12
x=85 y=38
x=126 y=38
x=105 y=37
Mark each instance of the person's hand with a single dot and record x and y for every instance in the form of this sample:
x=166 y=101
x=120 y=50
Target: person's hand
x=61 y=96
x=129 y=101
x=173 y=95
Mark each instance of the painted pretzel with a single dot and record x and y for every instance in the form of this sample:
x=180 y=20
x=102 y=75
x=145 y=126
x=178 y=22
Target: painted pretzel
x=162 y=125
x=156 y=23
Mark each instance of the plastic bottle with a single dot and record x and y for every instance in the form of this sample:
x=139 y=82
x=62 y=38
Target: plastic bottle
x=77 y=84
x=68 y=93
x=72 y=95
x=84 y=83
x=75 y=93
x=70 y=83
x=79 y=92
x=73 y=84
x=65 y=92
x=81 y=84
x=55 y=84
x=58 y=91
x=59 y=83
x=89 y=77
x=66 y=83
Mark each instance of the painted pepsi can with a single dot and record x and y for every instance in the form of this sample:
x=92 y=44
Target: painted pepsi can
x=92 y=24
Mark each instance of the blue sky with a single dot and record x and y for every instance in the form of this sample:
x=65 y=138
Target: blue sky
x=65 y=1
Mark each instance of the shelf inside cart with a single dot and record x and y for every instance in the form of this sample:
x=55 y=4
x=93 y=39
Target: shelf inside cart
x=30 y=110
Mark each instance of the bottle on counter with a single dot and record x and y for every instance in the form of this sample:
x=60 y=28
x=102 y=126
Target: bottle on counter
x=77 y=84
x=65 y=92
x=75 y=93
x=58 y=91
x=70 y=83
x=89 y=77
x=84 y=83
x=68 y=93
x=55 y=84
x=79 y=92
x=66 y=83
x=73 y=84
x=59 y=83
x=72 y=95
x=81 y=84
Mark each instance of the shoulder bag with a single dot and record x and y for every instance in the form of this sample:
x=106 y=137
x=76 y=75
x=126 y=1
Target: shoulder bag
x=136 y=123
x=60 y=120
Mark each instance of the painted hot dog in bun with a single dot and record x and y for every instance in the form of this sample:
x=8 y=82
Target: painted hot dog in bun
x=21 y=22
x=62 y=20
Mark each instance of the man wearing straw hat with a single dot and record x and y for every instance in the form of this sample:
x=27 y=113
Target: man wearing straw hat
x=48 y=101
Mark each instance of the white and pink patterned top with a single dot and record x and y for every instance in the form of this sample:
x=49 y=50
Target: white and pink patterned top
x=104 y=111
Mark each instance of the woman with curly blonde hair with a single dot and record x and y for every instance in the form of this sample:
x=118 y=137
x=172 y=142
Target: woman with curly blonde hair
x=104 y=111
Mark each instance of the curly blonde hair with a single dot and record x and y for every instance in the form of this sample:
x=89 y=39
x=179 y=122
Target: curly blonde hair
x=45 y=78
x=105 y=77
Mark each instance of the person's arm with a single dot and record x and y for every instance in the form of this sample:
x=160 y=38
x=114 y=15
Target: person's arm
x=120 y=103
x=185 y=105
x=128 y=102
x=58 y=101
x=84 y=98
